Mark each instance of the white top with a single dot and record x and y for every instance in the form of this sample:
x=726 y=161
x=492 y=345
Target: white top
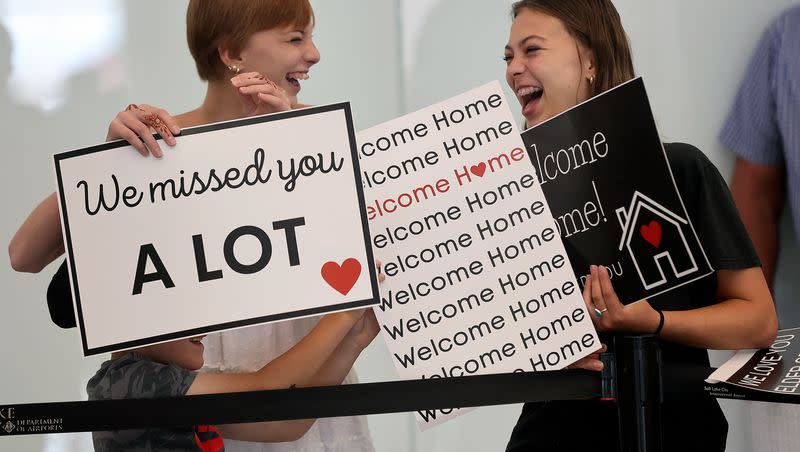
x=249 y=349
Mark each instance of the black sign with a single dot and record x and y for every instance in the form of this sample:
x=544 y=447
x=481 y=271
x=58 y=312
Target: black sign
x=606 y=177
x=775 y=369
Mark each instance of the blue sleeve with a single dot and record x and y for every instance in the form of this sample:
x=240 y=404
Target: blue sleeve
x=751 y=129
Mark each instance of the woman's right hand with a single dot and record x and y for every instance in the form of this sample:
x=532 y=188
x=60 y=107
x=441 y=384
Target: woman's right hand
x=137 y=123
x=260 y=95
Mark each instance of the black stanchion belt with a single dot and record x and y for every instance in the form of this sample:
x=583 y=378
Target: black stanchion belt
x=299 y=403
x=680 y=383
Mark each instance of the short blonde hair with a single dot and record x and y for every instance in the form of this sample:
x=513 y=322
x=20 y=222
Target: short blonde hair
x=210 y=23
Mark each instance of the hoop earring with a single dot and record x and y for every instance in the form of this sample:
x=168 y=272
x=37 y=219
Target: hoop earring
x=235 y=69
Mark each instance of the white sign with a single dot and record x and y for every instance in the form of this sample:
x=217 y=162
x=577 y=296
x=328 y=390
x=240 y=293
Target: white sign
x=242 y=222
x=478 y=280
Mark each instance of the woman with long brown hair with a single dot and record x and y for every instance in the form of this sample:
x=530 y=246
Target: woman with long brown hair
x=559 y=54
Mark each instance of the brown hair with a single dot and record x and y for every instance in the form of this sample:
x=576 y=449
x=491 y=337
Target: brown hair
x=596 y=25
x=210 y=23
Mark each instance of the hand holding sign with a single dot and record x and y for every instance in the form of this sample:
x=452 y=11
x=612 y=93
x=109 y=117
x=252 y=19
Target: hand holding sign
x=608 y=313
x=590 y=362
x=134 y=125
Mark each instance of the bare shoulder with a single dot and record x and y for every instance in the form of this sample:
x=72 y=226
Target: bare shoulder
x=191 y=118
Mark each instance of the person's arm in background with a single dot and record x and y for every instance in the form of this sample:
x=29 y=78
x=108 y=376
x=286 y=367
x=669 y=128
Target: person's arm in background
x=759 y=193
x=38 y=241
x=752 y=131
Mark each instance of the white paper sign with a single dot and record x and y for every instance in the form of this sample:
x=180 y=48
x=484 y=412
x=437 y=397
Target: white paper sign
x=478 y=280
x=241 y=223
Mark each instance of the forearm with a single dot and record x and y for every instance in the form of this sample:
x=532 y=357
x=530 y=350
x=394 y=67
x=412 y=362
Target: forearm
x=728 y=325
x=744 y=318
x=38 y=241
x=338 y=365
x=267 y=432
x=759 y=195
x=761 y=220
x=295 y=367
x=333 y=372
x=302 y=363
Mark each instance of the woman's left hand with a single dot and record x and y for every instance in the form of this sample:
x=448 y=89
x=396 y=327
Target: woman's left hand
x=608 y=313
x=260 y=95
x=591 y=362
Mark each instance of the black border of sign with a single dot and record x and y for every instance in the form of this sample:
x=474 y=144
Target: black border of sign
x=345 y=106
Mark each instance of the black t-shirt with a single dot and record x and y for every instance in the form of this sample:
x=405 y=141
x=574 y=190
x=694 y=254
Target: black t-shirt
x=687 y=425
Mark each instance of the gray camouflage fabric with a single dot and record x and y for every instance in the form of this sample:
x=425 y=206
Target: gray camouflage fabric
x=135 y=376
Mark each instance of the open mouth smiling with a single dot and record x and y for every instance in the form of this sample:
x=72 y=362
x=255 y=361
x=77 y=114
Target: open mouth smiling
x=528 y=97
x=294 y=78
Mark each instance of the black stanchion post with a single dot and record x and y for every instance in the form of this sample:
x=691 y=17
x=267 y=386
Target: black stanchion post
x=608 y=377
x=639 y=394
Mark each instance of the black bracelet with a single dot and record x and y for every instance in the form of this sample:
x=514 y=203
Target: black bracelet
x=660 y=321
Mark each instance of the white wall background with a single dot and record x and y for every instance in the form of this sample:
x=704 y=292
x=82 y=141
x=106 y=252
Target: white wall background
x=74 y=64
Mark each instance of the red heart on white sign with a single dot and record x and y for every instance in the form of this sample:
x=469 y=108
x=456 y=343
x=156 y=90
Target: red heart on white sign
x=478 y=169
x=342 y=277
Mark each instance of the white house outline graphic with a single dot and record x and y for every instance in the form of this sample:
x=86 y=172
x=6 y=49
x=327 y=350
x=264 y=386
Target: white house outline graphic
x=627 y=221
